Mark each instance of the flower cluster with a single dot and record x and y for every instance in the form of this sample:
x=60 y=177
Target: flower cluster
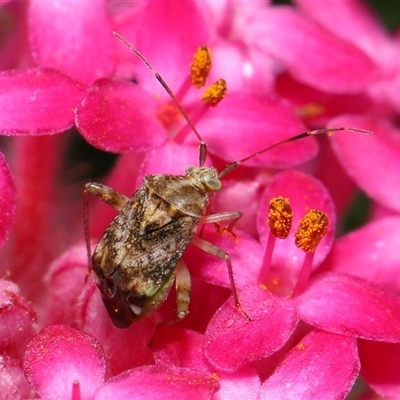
x=323 y=310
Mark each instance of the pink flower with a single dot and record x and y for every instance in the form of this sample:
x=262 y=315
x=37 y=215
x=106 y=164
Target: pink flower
x=318 y=322
x=61 y=348
x=329 y=303
x=81 y=359
x=18 y=325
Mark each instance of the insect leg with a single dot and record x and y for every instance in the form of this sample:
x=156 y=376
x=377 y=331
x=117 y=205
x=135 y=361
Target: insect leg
x=108 y=195
x=183 y=286
x=233 y=216
x=216 y=251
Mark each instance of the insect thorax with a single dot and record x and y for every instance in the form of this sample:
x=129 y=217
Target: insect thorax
x=188 y=193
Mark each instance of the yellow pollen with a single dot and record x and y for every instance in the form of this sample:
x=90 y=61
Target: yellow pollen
x=280 y=217
x=215 y=376
x=300 y=346
x=201 y=66
x=311 y=110
x=169 y=115
x=215 y=93
x=263 y=287
x=311 y=230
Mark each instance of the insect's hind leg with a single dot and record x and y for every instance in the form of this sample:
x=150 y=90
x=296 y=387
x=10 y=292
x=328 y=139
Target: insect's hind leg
x=110 y=196
x=183 y=287
x=183 y=284
x=216 y=251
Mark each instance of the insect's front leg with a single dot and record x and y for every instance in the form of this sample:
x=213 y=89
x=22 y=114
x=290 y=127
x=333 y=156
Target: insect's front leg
x=232 y=216
x=216 y=251
x=110 y=196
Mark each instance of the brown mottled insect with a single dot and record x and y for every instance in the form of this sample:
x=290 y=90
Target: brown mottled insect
x=140 y=254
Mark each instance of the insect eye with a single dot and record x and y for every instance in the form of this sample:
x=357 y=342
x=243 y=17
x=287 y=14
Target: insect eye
x=213 y=184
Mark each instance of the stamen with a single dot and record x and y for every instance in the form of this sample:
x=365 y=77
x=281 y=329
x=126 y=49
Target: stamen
x=76 y=391
x=311 y=230
x=184 y=89
x=215 y=93
x=211 y=97
x=280 y=217
x=201 y=66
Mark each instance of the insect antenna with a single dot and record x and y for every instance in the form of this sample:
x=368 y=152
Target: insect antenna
x=203 y=144
x=233 y=165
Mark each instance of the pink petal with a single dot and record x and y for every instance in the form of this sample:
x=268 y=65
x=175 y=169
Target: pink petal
x=17 y=319
x=183 y=347
x=329 y=170
x=312 y=54
x=170 y=158
x=244 y=383
x=380 y=367
x=251 y=69
x=372 y=161
x=173 y=345
x=74 y=37
x=231 y=198
x=322 y=364
x=65 y=280
x=13 y=384
x=37 y=101
x=8 y=200
x=154 y=382
x=231 y=341
x=318 y=108
x=94 y=319
x=118 y=116
x=304 y=193
x=371 y=252
x=244 y=123
x=351 y=306
x=354 y=22
x=59 y=356
x=228 y=62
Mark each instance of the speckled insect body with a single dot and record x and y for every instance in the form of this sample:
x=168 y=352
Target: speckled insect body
x=136 y=259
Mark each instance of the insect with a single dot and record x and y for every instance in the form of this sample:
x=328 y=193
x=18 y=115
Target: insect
x=140 y=254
